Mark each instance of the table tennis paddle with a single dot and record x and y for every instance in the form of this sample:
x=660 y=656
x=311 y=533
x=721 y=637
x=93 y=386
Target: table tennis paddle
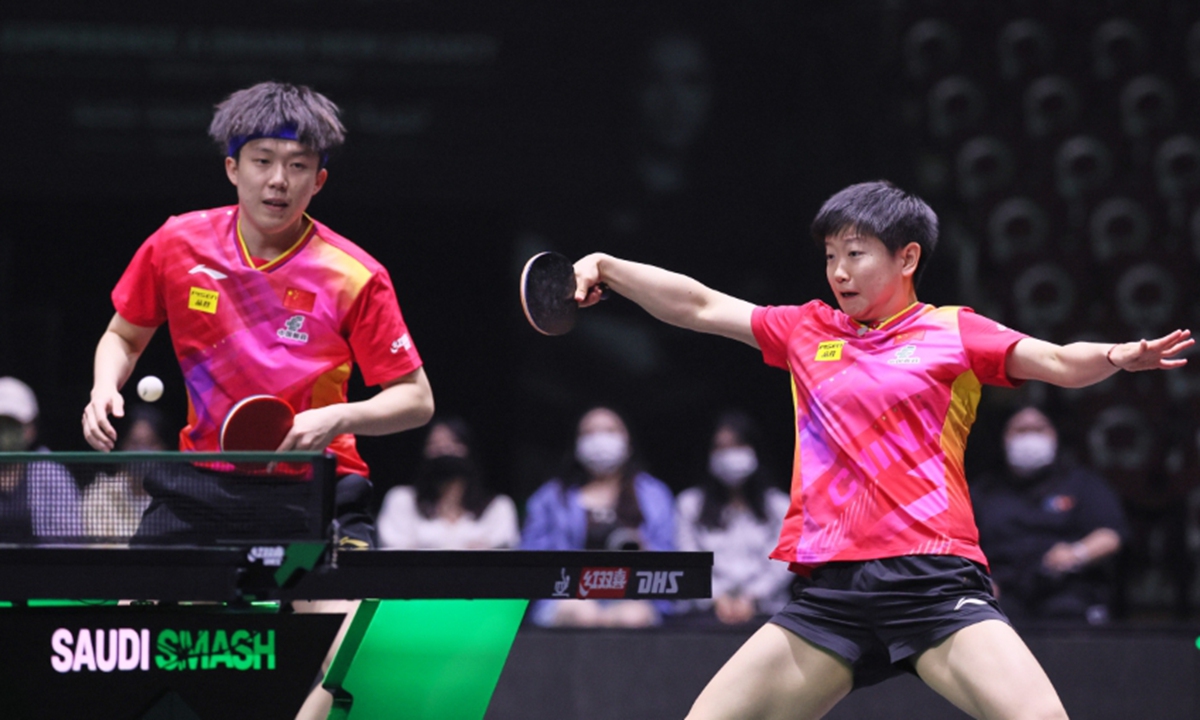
x=258 y=423
x=548 y=293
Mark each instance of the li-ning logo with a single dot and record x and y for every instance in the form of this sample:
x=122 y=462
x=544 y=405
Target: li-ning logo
x=603 y=582
x=562 y=586
x=214 y=274
x=658 y=582
x=401 y=342
x=905 y=356
x=291 y=329
x=268 y=555
x=968 y=601
x=125 y=649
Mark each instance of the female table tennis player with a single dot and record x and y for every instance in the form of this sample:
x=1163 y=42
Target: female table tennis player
x=880 y=532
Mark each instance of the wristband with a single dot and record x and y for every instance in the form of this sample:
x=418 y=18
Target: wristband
x=1108 y=356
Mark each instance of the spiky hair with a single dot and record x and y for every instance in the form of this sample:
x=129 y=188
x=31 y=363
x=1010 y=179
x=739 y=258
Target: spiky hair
x=273 y=109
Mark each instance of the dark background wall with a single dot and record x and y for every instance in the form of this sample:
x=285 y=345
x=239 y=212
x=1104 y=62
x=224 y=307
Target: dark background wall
x=1052 y=138
x=478 y=135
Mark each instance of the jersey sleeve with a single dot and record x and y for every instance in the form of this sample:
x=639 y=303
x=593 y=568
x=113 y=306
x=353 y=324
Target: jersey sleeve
x=987 y=343
x=138 y=295
x=772 y=327
x=379 y=339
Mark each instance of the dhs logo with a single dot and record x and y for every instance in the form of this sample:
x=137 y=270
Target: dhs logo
x=658 y=582
x=268 y=555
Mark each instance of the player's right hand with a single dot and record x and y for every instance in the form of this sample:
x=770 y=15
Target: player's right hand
x=97 y=430
x=588 y=290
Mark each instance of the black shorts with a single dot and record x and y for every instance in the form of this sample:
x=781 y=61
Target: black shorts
x=879 y=615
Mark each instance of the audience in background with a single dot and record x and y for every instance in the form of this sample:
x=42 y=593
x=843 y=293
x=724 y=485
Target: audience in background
x=113 y=502
x=602 y=502
x=449 y=436
x=39 y=501
x=736 y=513
x=447 y=508
x=1049 y=528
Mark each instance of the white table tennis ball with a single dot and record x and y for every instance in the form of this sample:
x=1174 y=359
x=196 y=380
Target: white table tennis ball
x=150 y=388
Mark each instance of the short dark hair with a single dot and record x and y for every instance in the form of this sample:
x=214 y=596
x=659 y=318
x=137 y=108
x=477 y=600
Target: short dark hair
x=435 y=473
x=273 y=109
x=882 y=210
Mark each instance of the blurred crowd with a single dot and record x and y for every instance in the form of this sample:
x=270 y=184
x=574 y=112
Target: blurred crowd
x=1055 y=532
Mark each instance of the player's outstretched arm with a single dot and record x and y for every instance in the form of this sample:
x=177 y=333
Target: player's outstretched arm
x=402 y=404
x=116 y=355
x=673 y=298
x=1083 y=363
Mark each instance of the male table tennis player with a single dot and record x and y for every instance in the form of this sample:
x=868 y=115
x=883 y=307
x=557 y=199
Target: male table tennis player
x=880 y=532
x=260 y=298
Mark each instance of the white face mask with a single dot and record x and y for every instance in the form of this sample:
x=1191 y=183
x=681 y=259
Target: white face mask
x=601 y=452
x=733 y=465
x=1029 y=452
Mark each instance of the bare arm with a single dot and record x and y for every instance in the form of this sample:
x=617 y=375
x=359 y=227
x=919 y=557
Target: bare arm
x=1083 y=363
x=673 y=298
x=402 y=404
x=116 y=355
x=1093 y=547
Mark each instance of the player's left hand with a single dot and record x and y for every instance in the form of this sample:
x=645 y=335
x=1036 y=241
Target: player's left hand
x=313 y=429
x=1157 y=354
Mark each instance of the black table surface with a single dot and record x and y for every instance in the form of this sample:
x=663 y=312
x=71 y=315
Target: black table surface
x=228 y=574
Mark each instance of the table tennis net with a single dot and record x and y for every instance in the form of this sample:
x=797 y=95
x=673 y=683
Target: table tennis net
x=163 y=498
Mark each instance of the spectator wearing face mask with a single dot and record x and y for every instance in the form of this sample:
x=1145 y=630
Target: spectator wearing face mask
x=602 y=502
x=1049 y=528
x=449 y=436
x=449 y=505
x=736 y=513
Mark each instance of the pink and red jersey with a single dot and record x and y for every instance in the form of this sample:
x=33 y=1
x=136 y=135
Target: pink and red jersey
x=882 y=417
x=291 y=327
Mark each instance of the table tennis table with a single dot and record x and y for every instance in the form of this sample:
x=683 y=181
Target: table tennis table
x=210 y=632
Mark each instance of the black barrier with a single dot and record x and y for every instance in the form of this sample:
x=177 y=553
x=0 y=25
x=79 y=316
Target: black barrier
x=653 y=674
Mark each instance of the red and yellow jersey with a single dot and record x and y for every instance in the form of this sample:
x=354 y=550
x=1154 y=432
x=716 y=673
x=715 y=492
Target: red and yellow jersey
x=292 y=327
x=882 y=417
